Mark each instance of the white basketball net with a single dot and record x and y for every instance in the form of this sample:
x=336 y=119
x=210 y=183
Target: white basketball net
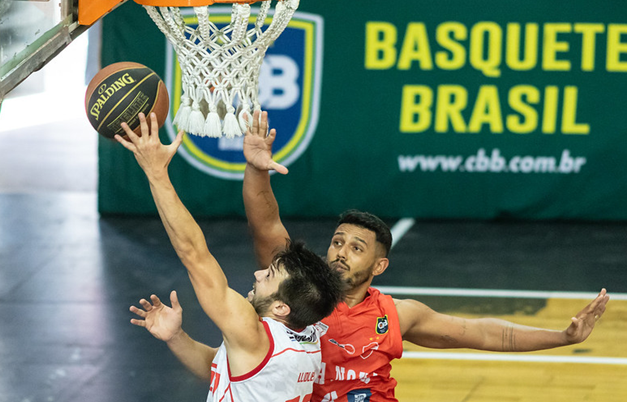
x=220 y=67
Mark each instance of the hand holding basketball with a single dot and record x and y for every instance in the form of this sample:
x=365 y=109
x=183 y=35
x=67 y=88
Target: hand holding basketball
x=258 y=145
x=151 y=154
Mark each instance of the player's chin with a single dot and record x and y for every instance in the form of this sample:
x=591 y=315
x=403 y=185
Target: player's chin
x=341 y=268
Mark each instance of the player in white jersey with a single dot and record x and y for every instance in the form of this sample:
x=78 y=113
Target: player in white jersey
x=293 y=358
x=294 y=292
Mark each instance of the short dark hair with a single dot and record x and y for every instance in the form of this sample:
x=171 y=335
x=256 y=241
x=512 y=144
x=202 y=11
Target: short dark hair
x=312 y=289
x=371 y=222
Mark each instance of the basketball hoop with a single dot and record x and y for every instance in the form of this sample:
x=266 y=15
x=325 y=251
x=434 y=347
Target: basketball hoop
x=220 y=66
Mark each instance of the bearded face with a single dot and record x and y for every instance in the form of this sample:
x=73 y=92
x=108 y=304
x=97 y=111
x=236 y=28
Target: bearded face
x=262 y=304
x=353 y=252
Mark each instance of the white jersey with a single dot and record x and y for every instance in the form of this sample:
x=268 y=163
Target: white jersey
x=286 y=374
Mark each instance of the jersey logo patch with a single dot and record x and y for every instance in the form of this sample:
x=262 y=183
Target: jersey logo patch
x=382 y=325
x=303 y=338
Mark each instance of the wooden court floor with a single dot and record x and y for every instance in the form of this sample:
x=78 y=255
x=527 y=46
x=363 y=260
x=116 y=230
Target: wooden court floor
x=595 y=370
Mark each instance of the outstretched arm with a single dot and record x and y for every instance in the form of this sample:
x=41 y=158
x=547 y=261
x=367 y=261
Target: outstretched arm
x=165 y=323
x=262 y=209
x=425 y=327
x=233 y=314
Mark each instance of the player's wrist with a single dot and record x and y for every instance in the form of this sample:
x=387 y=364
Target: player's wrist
x=254 y=168
x=177 y=337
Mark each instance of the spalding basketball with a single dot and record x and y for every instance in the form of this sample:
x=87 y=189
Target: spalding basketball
x=119 y=92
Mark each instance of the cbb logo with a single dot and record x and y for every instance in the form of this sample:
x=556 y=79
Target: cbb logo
x=382 y=325
x=289 y=90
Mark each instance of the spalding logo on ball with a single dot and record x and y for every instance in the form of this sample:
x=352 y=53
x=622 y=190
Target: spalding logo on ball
x=119 y=92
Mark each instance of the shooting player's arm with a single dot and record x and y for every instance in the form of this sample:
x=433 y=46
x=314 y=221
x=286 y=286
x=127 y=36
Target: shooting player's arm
x=233 y=314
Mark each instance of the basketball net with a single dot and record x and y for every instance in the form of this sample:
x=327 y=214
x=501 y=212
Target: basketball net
x=220 y=66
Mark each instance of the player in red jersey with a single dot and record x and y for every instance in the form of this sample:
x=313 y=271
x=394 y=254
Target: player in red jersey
x=366 y=331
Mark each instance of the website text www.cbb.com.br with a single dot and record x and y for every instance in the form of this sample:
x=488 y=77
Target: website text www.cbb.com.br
x=494 y=162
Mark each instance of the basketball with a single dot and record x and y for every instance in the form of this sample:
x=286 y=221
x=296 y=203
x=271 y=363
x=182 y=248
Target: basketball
x=119 y=92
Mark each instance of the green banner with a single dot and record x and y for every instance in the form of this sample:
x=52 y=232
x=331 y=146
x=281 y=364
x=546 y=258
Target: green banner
x=429 y=110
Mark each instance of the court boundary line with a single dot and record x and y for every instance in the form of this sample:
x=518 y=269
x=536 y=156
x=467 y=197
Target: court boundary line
x=401 y=228
x=508 y=357
x=503 y=293
x=398 y=232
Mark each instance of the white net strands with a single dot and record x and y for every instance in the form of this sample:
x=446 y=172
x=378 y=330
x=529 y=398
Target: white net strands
x=220 y=66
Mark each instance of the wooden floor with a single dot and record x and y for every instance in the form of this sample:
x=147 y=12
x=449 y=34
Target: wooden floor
x=464 y=381
x=438 y=379
x=69 y=275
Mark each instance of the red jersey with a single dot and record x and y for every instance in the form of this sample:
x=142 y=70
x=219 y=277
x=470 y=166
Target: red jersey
x=357 y=349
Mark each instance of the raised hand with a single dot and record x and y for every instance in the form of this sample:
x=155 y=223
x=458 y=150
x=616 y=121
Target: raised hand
x=161 y=321
x=151 y=154
x=258 y=145
x=583 y=323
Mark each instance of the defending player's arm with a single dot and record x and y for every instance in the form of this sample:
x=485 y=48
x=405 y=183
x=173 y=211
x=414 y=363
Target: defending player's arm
x=233 y=314
x=165 y=323
x=425 y=327
x=262 y=209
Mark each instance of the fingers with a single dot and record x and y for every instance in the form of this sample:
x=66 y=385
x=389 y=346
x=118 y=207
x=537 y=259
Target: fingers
x=263 y=124
x=271 y=136
x=174 y=299
x=598 y=304
x=145 y=304
x=593 y=311
x=137 y=311
x=143 y=124
x=278 y=167
x=255 y=129
x=139 y=323
x=156 y=302
x=154 y=125
x=130 y=145
x=259 y=126
x=125 y=143
x=129 y=133
x=178 y=140
x=605 y=298
x=599 y=310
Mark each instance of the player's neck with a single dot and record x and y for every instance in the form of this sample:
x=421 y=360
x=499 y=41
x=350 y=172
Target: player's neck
x=282 y=320
x=357 y=295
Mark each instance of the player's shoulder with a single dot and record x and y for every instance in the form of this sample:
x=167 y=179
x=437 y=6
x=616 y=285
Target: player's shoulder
x=410 y=306
x=411 y=312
